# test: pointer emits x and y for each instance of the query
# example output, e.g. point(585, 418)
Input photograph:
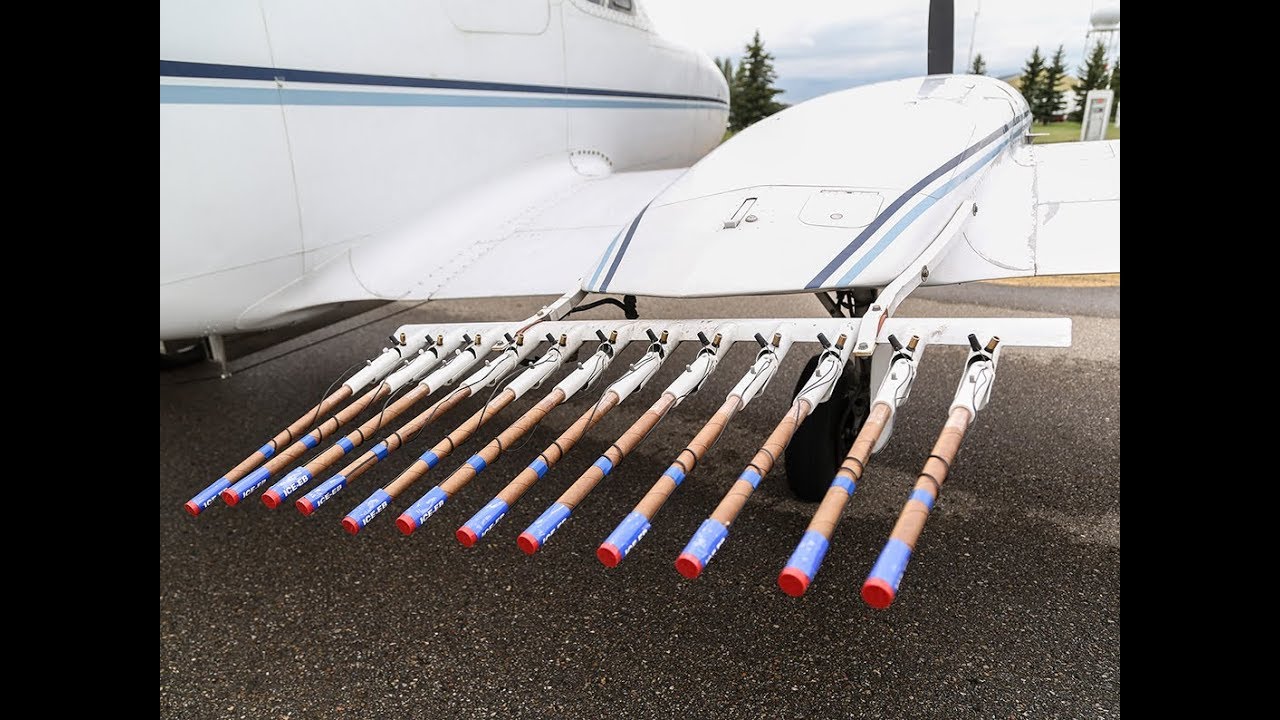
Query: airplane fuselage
point(291, 131)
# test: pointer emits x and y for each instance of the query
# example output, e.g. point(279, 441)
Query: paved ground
point(1011, 607)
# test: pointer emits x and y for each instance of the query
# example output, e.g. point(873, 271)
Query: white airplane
point(315, 153)
point(319, 152)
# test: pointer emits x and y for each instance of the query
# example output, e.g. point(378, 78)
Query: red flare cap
point(688, 565)
point(406, 524)
point(271, 499)
point(229, 497)
point(528, 543)
point(877, 593)
point(466, 536)
point(350, 525)
point(192, 507)
point(609, 554)
point(793, 582)
point(305, 506)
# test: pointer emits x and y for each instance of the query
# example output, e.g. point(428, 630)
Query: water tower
point(1097, 103)
point(1106, 21)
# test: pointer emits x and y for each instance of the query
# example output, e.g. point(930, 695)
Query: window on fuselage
point(623, 5)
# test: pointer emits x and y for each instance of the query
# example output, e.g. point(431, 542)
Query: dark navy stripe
point(175, 94)
point(621, 251)
point(177, 68)
point(883, 217)
point(604, 259)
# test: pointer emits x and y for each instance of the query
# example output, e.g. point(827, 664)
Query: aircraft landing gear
point(824, 437)
point(181, 353)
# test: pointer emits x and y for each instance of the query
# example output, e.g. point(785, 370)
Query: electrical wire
point(341, 378)
point(817, 382)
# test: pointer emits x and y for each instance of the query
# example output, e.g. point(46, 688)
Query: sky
point(826, 45)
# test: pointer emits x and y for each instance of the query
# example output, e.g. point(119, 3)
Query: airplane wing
point(808, 224)
point(1072, 228)
point(550, 247)
point(535, 232)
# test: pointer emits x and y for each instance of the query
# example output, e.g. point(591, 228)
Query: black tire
point(824, 438)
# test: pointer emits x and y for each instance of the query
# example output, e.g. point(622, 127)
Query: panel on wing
point(1078, 208)
point(1072, 225)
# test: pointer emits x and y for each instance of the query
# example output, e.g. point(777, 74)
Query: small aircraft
point(323, 153)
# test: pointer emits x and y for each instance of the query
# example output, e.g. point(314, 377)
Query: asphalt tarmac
point(1010, 607)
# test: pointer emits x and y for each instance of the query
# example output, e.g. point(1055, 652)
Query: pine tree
point(1030, 86)
point(1115, 86)
point(1092, 76)
point(1048, 101)
point(979, 66)
point(735, 96)
point(753, 90)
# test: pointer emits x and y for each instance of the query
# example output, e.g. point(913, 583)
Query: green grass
point(1067, 131)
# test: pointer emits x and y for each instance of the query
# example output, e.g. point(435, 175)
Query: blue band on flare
point(310, 441)
point(629, 532)
point(676, 474)
point(808, 555)
point(920, 495)
point(477, 463)
point(251, 482)
point(489, 515)
point(751, 476)
point(539, 466)
point(550, 521)
point(707, 540)
point(430, 458)
point(426, 506)
point(346, 445)
point(604, 463)
point(369, 509)
point(326, 490)
point(892, 563)
point(290, 483)
point(205, 497)
point(843, 482)
point(267, 451)
point(381, 451)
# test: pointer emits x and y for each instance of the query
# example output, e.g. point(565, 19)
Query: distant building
point(1067, 85)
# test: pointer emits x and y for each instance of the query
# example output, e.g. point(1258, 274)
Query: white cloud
point(826, 45)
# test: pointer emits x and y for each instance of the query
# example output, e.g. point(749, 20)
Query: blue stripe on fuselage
point(175, 68)
point(228, 95)
point(213, 71)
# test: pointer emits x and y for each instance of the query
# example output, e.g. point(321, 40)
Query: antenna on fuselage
point(973, 35)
